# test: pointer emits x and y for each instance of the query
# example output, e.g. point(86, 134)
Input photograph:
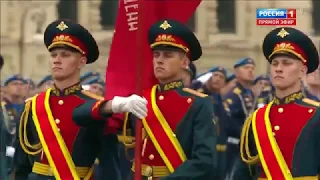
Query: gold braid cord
point(31, 149)
point(245, 153)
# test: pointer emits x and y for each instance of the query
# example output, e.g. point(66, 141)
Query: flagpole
point(139, 70)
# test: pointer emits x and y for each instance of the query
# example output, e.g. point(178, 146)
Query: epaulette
point(200, 90)
point(310, 101)
point(191, 91)
point(237, 90)
point(28, 99)
point(92, 95)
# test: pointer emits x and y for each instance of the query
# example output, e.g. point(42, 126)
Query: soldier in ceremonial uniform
point(213, 88)
point(180, 140)
point(238, 102)
point(281, 140)
point(51, 145)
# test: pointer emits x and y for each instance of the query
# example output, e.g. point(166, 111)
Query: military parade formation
point(216, 125)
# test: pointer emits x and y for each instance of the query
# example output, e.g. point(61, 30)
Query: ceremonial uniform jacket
point(281, 140)
point(181, 136)
point(238, 103)
point(50, 143)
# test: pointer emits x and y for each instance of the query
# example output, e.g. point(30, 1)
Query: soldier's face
point(286, 72)
point(217, 80)
point(65, 63)
point(186, 78)
point(245, 72)
point(313, 79)
point(168, 65)
point(96, 89)
point(16, 88)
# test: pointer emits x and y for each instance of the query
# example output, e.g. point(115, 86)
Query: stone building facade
point(226, 29)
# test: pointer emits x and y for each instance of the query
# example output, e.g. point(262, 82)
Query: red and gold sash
point(161, 134)
point(52, 142)
point(272, 160)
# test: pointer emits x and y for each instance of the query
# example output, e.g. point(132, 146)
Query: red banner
point(121, 75)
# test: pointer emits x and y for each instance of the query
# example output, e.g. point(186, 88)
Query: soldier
point(230, 83)
point(28, 88)
point(89, 76)
point(97, 86)
point(238, 103)
point(262, 91)
point(50, 144)
point(189, 75)
point(312, 85)
point(213, 88)
point(45, 83)
point(281, 140)
point(3, 138)
point(180, 140)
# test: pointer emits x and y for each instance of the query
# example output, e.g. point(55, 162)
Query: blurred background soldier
point(262, 91)
point(45, 83)
point(189, 75)
point(239, 103)
point(212, 87)
point(312, 85)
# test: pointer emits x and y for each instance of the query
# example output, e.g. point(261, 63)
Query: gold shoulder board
point(191, 91)
point(237, 91)
point(92, 95)
point(28, 99)
point(310, 101)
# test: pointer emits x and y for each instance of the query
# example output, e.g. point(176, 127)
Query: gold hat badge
point(62, 26)
point(165, 25)
point(282, 33)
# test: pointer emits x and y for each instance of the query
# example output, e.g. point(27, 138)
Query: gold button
point(57, 121)
point(147, 171)
point(60, 102)
point(276, 128)
point(189, 100)
point(174, 135)
point(59, 129)
point(280, 110)
point(161, 97)
point(151, 156)
point(273, 133)
point(310, 110)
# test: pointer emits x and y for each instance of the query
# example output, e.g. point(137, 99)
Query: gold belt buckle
point(50, 173)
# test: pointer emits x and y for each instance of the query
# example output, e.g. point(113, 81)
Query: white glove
point(10, 151)
point(133, 104)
